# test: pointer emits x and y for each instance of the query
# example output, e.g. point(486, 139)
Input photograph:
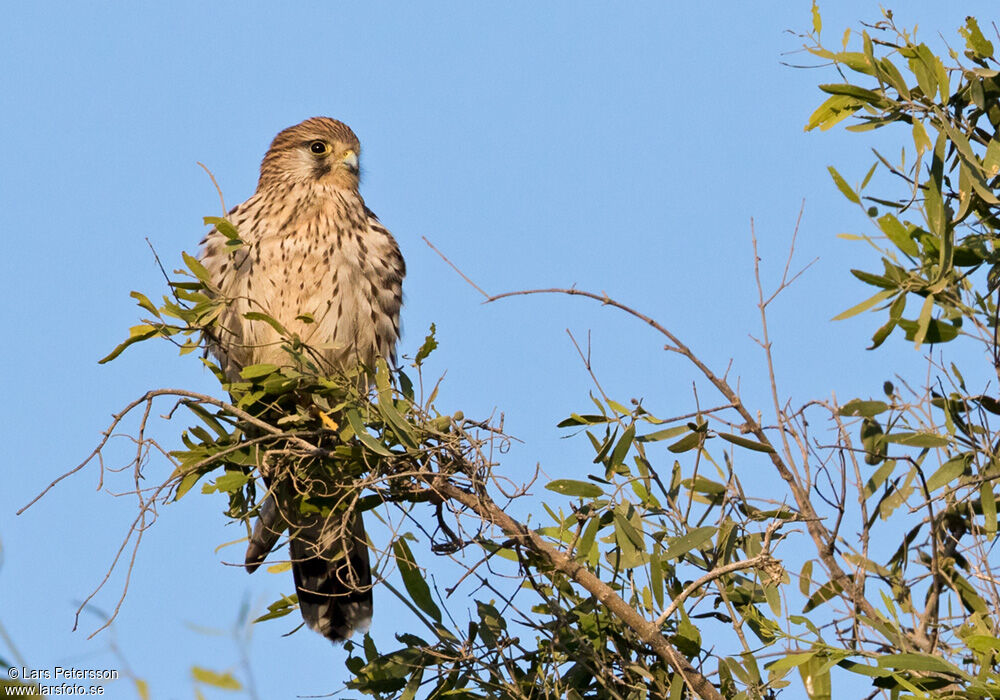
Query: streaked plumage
point(312, 248)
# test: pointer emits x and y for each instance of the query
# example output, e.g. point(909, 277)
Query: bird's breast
point(325, 274)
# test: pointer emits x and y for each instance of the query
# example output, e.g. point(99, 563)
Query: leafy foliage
point(661, 569)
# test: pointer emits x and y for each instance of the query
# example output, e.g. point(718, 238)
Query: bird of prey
point(318, 261)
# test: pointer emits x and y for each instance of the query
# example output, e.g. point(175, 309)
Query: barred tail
point(334, 586)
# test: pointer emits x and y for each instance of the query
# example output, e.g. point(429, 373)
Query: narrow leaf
point(364, 436)
point(842, 185)
point(868, 409)
point(569, 487)
point(413, 579)
point(946, 473)
point(685, 543)
point(923, 321)
point(744, 442)
point(988, 500)
point(258, 316)
point(196, 267)
point(865, 305)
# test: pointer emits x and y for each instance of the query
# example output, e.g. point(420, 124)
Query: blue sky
point(616, 148)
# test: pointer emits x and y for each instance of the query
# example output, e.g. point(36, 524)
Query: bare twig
point(218, 189)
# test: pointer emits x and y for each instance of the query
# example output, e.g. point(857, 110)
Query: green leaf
point(815, 674)
point(868, 176)
point(413, 685)
point(991, 160)
point(863, 670)
point(622, 448)
point(685, 543)
point(430, 344)
point(413, 579)
point(894, 78)
point(258, 316)
point(855, 61)
point(920, 662)
point(261, 370)
point(688, 637)
point(824, 593)
point(207, 418)
point(145, 303)
point(569, 487)
point(227, 229)
point(869, 96)
point(933, 200)
point(946, 473)
point(987, 402)
point(975, 171)
point(664, 434)
point(920, 139)
point(972, 601)
point(586, 544)
point(364, 436)
point(504, 552)
point(865, 305)
point(868, 565)
point(196, 267)
point(386, 406)
point(989, 503)
point(817, 21)
point(974, 39)
point(625, 528)
point(229, 482)
point(603, 449)
point(883, 332)
point(777, 668)
point(937, 331)
point(922, 66)
point(898, 234)
point(805, 577)
point(923, 321)
point(186, 482)
point(833, 111)
point(842, 185)
point(773, 598)
point(922, 439)
point(656, 575)
point(983, 643)
point(492, 625)
point(226, 681)
point(688, 442)
point(744, 442)
point(618, 408)
point(874, 280)
point(136, 335)
point(224, 226)
point(586, 419)
point(857, 407)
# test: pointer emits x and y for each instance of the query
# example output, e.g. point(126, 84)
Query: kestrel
point(318, 261)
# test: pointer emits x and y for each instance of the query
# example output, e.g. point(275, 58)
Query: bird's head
point(320, 150)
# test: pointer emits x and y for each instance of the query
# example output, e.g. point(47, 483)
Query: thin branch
point(645, 629)
point(455, 268)
point(218, 189)
point(820, 535)
point(759, 561)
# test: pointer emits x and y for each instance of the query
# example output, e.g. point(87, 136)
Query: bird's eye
point(319, 147)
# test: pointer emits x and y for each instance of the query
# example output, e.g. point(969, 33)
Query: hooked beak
point(350, 159)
